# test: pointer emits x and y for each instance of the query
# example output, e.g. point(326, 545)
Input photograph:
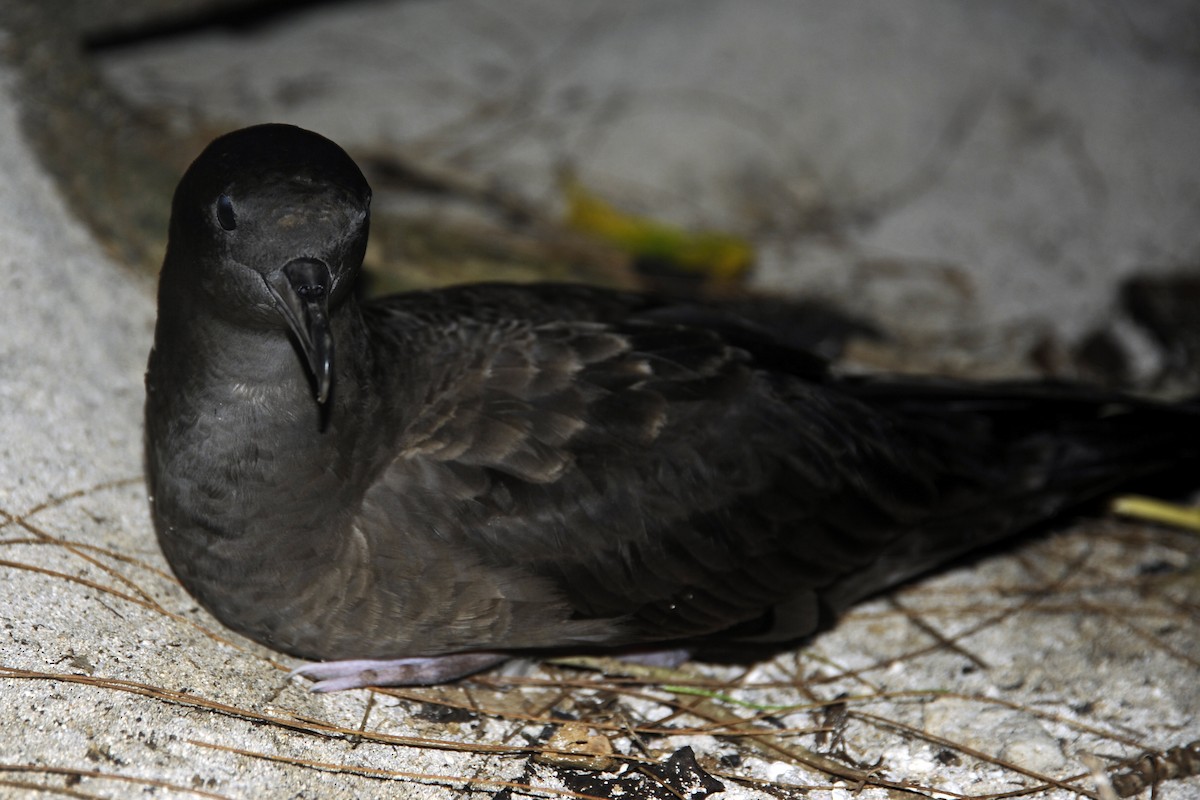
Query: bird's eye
point(225, 214)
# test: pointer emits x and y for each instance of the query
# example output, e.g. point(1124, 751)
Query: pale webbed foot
point(667, 659)
point(334, 676)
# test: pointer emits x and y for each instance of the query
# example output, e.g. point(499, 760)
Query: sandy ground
point(982, 172)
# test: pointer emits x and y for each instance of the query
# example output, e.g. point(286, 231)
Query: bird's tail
point(1028, 453)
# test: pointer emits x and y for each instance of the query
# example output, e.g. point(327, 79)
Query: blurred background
point(981, 184)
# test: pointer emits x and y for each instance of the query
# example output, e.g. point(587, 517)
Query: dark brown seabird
point(413, 487)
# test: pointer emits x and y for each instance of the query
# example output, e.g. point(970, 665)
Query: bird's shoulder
point(519, 378)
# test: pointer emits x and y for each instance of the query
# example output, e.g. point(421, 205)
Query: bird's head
point(270, 224)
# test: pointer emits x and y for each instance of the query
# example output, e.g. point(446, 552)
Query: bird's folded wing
point(650, 472)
